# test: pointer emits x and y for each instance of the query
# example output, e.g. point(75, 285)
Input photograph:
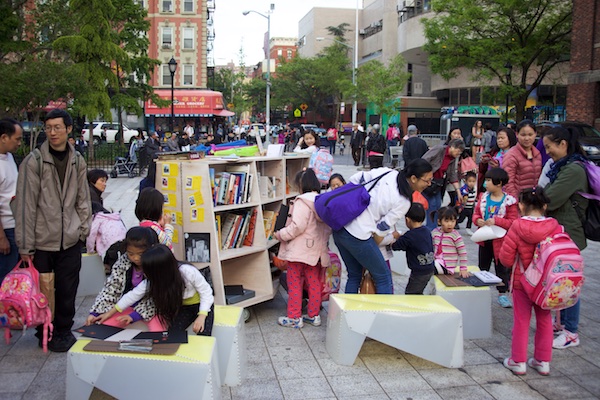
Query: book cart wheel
point(246, 314)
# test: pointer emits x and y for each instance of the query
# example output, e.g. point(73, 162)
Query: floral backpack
point(22, 305)
point(321, 162)
point(554, 278)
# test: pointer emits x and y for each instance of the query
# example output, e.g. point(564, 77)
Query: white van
point(111, 131)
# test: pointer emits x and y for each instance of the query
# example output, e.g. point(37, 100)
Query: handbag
point(435, 188)
point(341, 206)
point(367, 286)
point(467, 164)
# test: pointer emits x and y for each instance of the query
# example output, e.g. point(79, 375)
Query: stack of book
point(233, 186)
point(269, 218)
point(236, 229)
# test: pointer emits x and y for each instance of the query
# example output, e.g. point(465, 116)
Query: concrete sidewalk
point(293, 364)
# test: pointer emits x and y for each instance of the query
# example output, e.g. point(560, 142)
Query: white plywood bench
point(228, 330)
point(426, 326)
point(91, 275)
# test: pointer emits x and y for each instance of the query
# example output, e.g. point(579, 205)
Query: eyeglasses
point(427, 180)
point(55, 128)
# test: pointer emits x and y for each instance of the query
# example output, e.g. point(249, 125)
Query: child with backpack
point(495, 207)
point(181, 294)
point(448, 245)
point(149, 210)
point(518, 249)
point(303, 244)
point(125, 274)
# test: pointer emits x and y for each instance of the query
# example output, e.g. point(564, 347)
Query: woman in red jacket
point(519, 246)
point(523, 162)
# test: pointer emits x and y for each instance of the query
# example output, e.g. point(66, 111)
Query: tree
point(339, 31)
point(381, 85)
point(484, 36)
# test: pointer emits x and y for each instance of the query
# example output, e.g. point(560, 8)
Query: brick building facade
point(583, 93)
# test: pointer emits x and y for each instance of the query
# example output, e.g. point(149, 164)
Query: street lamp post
point(172, 69)
point(508, 67)
point(354, 109)
point(268, 94)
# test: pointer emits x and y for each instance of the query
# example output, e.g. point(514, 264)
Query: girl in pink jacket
point(519, 245)
point(304, 246)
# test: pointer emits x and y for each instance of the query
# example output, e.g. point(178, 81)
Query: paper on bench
point(125, 334)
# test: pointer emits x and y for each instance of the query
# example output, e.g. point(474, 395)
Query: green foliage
point(483, 36)
point(231, 84)
point(381, 85)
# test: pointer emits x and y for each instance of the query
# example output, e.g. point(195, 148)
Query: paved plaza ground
point(293, 364)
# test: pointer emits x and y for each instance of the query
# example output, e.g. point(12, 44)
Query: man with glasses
point(53, 214)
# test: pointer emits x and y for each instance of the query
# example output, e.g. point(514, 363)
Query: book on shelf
point(249, 238)
point(237, 219)
point(218, 227)
point(269, 218)
point(248, 194)
point(228, 221)
point(223, 187)
point(239, 242)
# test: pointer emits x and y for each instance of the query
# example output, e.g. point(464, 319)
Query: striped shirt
point(451, 247)
point(471, 195)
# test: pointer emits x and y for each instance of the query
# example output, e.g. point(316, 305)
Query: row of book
point(233, 186)
point(236, 229)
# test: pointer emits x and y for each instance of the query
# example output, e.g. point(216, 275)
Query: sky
point(234, 30)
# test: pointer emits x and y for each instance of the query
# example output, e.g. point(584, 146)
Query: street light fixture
point(172, 69)
point(354, 68)
point(268, 94)
point(508, 67)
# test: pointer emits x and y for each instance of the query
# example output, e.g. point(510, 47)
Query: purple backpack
point(341, 206)
point(591, 219)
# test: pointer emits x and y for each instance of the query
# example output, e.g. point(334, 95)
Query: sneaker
point(566, 339)
point(61, 343)
point(542, 367)
point(517, 368)
point(314, 321)
point(469, 232)
point(290, 322)
point(504, 301)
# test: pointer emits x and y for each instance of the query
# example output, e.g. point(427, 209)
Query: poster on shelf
point(197, 214)
point(170, 200)
point(176, 216)
point(196, 199)
point(175, 236)
point(197, 247)
point(193, 182)
point(170, 169)
point(169, 184)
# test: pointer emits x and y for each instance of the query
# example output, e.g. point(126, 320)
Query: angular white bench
point(91, 275)
point(228, 329)
point(191, 373)
point(475, 303)
point(426, 326)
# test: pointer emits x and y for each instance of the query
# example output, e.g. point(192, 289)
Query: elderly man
point(414, 146)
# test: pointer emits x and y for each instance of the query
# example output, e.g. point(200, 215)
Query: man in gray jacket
point(53, 214)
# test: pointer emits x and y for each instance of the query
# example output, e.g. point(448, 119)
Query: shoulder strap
point(38, 156)
point(375, 180)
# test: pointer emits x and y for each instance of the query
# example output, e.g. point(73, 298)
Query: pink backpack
point(322, 163)
point(22, 305)
point(554, 278)
point(331, 277)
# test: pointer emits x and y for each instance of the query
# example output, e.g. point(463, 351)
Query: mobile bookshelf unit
point(218, 208)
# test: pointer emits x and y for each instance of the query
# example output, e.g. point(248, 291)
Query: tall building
point(583, 93)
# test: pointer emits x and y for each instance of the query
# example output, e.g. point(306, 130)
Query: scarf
point(555, 168)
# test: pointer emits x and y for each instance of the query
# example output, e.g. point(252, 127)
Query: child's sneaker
point(469, 232)
point(517, 368)
point(314, 321)
point(290, 322)
point(565, 339)
point(504, 301)
point(542, 367)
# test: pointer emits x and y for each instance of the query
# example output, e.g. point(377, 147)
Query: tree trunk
point(519, 103)
point(120, 133)
point(91, 155)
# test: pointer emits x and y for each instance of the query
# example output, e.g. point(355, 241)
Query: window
point(188, 38)
point(289, 54)
point(140, 3)
point(167, 38)
point(166, 75)
point(279, 52)
point(188, 6)
point(167, 6)
point(188, 74)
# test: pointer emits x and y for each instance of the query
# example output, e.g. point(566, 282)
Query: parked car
point(589, 137)
point(260, 128)
point(111, 131)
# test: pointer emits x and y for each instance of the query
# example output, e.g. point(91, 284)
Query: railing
point(105, 156)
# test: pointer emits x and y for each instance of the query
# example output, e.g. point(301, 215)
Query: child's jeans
point(486, 256)
point(296, 273)
point(417, 283)
point(467, 213)
point(522, 305)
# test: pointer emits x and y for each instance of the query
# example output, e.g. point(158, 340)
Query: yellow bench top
point(393, 303)
point(199, 349)
point(227, 315)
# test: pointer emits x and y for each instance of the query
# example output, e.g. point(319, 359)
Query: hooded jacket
point(507, 214)
point(521, 240)
point(50, 217)
point(106, 230)
point(305, 237)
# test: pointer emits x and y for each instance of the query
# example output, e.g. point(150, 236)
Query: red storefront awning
point(52, 105)
point(224, 113)
point(189, 103)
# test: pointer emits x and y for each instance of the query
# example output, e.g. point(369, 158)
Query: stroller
point(126, 165)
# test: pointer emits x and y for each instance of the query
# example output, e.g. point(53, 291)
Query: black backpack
point(379, 144)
